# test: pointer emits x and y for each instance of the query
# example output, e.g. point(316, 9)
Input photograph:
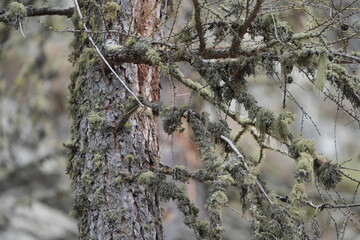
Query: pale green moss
point(227, 179)
point(16, 14)
point(118, 180)
point(264, 120)
point(130, 42)
point(153, 56)
point(218, 199)
point(111, 10)
point(300, 145)
point(130, 159)
point(128, 124)
point(84, 108)
point(180, 174)
point(4, 26)
point(112, 215)
point(86, 179)
point(147, 227)
point(281, 125)
point(298, 197)
point(98, 196)
point(96, 119)
point(114, 47)
point(328, 174)
point(98, 161)
point(145, 178)
point(320, 77)
point(304, 169)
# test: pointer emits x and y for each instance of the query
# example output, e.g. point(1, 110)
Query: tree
point(118, 52)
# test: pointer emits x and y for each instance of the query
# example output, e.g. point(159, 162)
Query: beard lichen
point(264, 121)
point(280, 126)
point(16, 14)
point(110, 10)
point(300, 145)
point(172, 118)
point(304, 169)
point(320, 77)
point(327, 173)
point(348, 85)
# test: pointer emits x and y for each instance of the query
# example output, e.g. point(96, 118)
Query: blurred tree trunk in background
point(107, 143)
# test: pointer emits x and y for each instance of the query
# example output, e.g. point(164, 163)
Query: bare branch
point(199, 27)
point(328, 205)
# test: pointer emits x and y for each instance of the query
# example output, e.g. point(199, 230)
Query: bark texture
point(110, 141)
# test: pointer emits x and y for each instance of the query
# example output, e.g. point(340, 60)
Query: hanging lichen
point(297, 198)
point(172, 119)
point(264, 120)
point(304, 168)
point(281, 125)
point(110, 10)
point(327, 173)
point(300, 145)
point(16, 14)
point(320, 77)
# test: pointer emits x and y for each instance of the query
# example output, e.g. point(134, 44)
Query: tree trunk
point(110, 143)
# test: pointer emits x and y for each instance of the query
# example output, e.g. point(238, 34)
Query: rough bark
point(104, 156)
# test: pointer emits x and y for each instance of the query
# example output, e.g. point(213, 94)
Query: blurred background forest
point(35, 192)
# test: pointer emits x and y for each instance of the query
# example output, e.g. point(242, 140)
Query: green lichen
point(226, 179)
point(16, 14)
point(264, 121)
point(4, 27)
point(148, 113)
point(130, 159)
point(300, 145)
point(96, 119)
point(304, 168)
point(153, 56)
point(250, 179)
point(118, 180)
point(320, 77)
point(147, 227)
point(328, 174)
point(180, 174)
point(298, 194)
point(98, 161)
point(114, 48)
point(84, 109)
point(308, 57)
point(110, 10)
point(172, 119)
point(281, 125)
point(130, 42)
point(112, 215)
point(145, 178)
point(88, 59)
point(98, 196)
point(86, 179)
point(218, 199)
point(127, 125)
point(298, 197)
point(347, 84)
